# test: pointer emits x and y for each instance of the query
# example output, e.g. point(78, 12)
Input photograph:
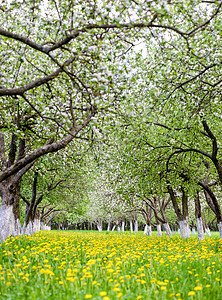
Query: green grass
point(80, 264)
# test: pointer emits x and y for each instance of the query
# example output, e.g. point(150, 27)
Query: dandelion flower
point(119, 295)
point(191, 293)
point(198, 288)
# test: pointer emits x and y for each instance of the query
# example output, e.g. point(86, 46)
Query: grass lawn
point(104, 266)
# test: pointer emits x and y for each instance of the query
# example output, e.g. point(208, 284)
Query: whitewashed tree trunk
point(193, 230)
point(207, 230)
point(220, 228)
point(167, 229)
point(43, 226)
point(108, 226)
point(123, 226)
point(9, 213)
point(149, 230)
point(184, 228)
point(27, 228)
point(9, 225)
point(131, 226)
point(159, 231)
point(99, 227)
point(32, 226)
point(47, 227)
point(113, 227)
point(200, 229)
point(145, 229)
point(136, 226)
point(178, 230)
point(36, 225)
point(189, 227)
point(118, 228)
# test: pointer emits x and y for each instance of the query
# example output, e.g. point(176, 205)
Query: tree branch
point(25, 200)
point(54, 147)
point(212, 137)
point(213, 198)
point(36, 83)
point(183, 151)
point(12, 152)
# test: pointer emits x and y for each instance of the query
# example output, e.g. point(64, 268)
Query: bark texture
point(167, 229)
point(131, 226)
point(200, 230)
point(220, 229)
point(184, 228)
point(9, 210)
point(149, 230)
point(159, 231)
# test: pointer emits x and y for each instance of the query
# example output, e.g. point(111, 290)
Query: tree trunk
point(182, 216)
point(159, 231)
point(113, 227)
point(184, 228)
point(149, 230)
point(28, 228)
point(217, 209)
point(9, 210)
point(193, 230)
point(123, 226)
point(220, 228)
point(47, 227)
point(136, 226)
point(207, 230)
point(199, 221)
point(99, 226)
point(200, 230)
point(36, 224)
point(131, 225)
point(108, 226)
point(166, 227)
point(145, 229)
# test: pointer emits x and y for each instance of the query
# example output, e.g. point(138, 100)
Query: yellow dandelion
point(119, 295)
point(191, 293)
point(198, 288)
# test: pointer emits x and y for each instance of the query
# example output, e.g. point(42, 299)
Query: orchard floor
point(104, 266)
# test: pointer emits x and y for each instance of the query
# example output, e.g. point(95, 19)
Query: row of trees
point(71, 80)
point(116, 203)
